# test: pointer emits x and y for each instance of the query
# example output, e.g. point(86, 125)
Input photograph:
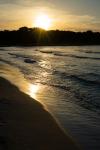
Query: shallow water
point(66, 80)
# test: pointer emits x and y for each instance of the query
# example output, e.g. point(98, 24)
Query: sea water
point(66, 80)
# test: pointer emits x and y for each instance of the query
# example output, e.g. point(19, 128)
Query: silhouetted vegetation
point(35, 36)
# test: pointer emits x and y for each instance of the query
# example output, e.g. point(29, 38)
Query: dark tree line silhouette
point(25, 36)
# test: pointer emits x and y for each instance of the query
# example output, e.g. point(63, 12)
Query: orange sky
point(65, 15)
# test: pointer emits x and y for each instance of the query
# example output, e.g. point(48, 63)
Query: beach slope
point(26, 125)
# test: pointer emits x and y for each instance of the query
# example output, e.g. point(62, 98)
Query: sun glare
point(43, 21)
point(33, 89)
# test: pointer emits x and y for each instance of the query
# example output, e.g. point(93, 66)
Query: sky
point(76, 15)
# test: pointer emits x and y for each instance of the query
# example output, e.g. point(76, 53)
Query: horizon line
point(49, 29)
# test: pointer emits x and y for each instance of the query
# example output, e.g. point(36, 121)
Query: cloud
point(74, 18)
point(26, 3)
point(13, 11)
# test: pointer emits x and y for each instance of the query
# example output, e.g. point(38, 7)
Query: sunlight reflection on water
point(33, 90)
point(17, 78)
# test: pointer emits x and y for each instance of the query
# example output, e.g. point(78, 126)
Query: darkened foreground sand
point(26, 125)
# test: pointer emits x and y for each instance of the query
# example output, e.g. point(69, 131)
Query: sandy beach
point(26, 125)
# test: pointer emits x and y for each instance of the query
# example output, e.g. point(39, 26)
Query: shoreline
point(26, 125)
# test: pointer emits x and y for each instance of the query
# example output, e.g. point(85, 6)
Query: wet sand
point(26, 125)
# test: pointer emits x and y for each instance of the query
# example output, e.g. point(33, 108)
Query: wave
point(47, 52)
point(26, 58)
point(92, 52)
point(55, 53)
point(95, 58)
point(89, 78)
point(89, 51)
point(83, 57)
point(6, 61)
point(22, 68)
point(59, 54)
point(1, 49)
point(80, 98)
point(75, 56)
point(18, 55)
point(86, 81)
point(84, 100)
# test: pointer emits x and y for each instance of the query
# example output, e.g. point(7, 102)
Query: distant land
point(25, 36)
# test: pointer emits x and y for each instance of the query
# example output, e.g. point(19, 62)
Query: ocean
point(66, 80)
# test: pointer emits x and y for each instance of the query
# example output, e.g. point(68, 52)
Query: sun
point(43, 21)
